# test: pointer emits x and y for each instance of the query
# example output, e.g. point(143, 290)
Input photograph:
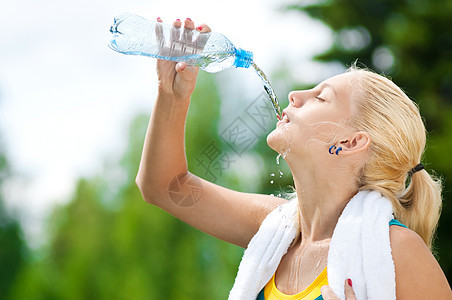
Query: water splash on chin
point(283, 155)
point(286, 152)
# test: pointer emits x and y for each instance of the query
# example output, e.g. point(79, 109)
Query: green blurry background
point(107, 243)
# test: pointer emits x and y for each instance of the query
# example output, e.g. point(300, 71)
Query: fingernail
point(177, 19)
point(199, 28)
point(189, 19)
point(158, 19)
point(349, 282)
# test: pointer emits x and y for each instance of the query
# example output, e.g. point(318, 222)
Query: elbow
point(154, 190)
point(145, 190)
point(139, 182)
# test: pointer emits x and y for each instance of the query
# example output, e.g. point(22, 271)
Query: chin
point(270, 140)
point(276, 140)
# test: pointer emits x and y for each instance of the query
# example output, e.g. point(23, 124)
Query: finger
point(175, 32)
point(185, 80)
point(180, 67)
point(177, 23)
point(186, 74)
point(349, 292)
point(184, 69)
point(327, 293)
point(159, 33)
point(202, 37)
point(203, 28)
point(189, 24)
point(187, 36)
point(175, 37)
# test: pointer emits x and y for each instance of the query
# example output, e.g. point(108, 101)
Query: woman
point(353, 132)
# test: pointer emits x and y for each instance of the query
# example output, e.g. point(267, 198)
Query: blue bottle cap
point(243, 58)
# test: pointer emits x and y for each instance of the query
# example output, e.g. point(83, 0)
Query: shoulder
point(408, 249)
point(402, 237)
point(418, 274)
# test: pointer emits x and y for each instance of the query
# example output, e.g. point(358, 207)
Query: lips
point(284, 120)
point(285, 117)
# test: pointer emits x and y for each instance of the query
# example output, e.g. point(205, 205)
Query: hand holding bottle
point(210, 51)
point(178, 80)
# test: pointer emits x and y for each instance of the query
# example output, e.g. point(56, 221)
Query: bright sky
point(66, 99)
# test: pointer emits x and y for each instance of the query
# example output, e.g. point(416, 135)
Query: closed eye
point(318, 98)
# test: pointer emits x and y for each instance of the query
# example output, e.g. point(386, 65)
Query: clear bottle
point(211, 51)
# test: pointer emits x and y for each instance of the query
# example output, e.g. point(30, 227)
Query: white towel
point(359, 249)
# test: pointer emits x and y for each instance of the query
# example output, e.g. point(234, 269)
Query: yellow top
point(312, 292)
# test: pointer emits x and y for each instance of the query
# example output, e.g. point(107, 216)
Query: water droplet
point(271, 181)
point(272, 174)
point(280, 173)
point(279, 195)
point(271, 195)
point(318, 264)
point(277, 158)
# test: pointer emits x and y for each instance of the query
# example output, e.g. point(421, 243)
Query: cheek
point(306, 127)
point(322, 125)
point(311, 134)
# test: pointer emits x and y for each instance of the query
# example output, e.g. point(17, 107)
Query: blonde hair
point(398, 138)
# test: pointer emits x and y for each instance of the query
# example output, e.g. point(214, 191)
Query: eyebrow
point(329, 86)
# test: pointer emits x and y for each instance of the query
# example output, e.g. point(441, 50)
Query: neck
point(322, 195)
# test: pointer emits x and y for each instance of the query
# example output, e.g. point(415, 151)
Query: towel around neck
point(359, 249)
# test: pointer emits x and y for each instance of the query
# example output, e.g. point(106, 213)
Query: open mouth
point(285, 119)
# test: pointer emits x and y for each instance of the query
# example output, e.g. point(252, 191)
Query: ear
point(357, 142)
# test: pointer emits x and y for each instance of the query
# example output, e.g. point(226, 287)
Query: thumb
point(180, 66)
point(185, 79)
point(349, 292)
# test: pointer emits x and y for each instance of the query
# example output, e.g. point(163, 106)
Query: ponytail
point(421, 205)
point(398, 138)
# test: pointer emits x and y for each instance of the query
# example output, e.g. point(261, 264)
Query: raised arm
point(163, 177)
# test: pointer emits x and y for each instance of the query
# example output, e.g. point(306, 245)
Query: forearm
point(163, 155)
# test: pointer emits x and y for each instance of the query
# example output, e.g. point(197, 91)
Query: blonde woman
point(353, 133)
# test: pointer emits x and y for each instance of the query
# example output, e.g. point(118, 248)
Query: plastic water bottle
point(211, 51)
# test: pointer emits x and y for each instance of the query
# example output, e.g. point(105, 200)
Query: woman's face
point(315, 119)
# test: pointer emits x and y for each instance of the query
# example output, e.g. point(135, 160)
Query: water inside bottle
point(270, 92)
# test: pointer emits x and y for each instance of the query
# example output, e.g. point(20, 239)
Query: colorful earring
point(332, 148)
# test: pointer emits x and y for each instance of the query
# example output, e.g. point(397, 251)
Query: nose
point(296, 98)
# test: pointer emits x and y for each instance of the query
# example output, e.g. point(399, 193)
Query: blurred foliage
point(13, 248)
point(107, 243)
point(12, 256)
point(410, 41)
